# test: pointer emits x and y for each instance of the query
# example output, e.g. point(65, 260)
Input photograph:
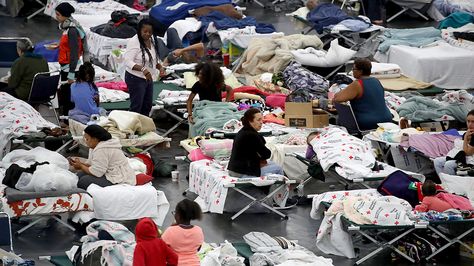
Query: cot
point(210, 181)
point(384, 241)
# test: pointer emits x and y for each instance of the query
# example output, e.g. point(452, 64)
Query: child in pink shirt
point(183, 237)
point(430, 201)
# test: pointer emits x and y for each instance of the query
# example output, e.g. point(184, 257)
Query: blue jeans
point(446, 167)
point(141, 94)
point(270, 168)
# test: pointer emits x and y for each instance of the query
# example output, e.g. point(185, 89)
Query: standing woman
point(142, 63)
point(72, 46)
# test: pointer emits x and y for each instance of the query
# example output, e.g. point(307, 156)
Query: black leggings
point(85, 180)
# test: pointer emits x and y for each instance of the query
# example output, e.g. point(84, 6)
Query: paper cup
point(175, 176)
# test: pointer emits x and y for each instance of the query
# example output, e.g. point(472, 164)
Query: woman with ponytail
point(142, 64)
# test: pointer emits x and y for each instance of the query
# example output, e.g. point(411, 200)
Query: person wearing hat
point(23, 70)
point(72, 45)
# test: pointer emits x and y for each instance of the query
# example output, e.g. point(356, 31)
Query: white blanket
point(353, 156)
point(101, 74)
point(385, 70)
point(108, 95)
point(18, 118)
point(242, 37)
point(126, 202)
point(442, 64)
point(210, 181)
point(461, 185)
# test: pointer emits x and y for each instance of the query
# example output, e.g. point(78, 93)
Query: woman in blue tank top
point(366, 96)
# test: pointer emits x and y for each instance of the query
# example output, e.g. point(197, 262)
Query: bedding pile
point(209, 114)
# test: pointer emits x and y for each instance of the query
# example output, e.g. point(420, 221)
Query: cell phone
point(471, 142)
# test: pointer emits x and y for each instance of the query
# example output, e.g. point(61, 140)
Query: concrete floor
point(55, 239)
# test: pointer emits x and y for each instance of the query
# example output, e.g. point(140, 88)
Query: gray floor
point(53, 239)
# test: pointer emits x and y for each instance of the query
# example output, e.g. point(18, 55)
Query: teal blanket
point(410, 37)
point(419, 109)
point(208, 114)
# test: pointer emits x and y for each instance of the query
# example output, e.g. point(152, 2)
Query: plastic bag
point(24, 182)
point(53, 178)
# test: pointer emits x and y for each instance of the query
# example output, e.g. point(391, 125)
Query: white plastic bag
point(53, 178)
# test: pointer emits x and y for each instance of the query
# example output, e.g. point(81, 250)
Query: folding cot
point(210, 181)
point(384, 241)
point(410, 5)
point(374, 176)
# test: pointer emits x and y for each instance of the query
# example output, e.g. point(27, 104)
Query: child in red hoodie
point(150, 249)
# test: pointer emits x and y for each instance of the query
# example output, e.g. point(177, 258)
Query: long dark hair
point(97, 132)
point(211, 74)
point(87, 74)
point(143, 47)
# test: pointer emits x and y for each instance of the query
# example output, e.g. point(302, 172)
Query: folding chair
point(43, 90)
point(6, 229)
point(9, 53)
point(347, 119)
point(410, 5)
point(348, 2)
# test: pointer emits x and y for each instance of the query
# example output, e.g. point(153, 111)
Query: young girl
point(85, 95)
point(430, 201)
point(209, 86)
point(183, 237)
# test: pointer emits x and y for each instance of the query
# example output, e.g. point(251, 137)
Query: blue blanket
point(325, 15)
point(222, 22)
point(170, 11)
point(409, 37)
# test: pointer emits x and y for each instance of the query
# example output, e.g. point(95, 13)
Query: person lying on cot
point(183, 237)
point(209, 86)
point(249, 157)
point(24, 70)
point(366, 95)
point(462, 152)
point(106, 165)
point(310, 154)
point(173, 52)
point(85, 95)
point(440, 201)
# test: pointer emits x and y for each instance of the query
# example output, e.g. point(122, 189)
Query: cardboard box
point(318, 120)
point(301, 109)
point(434, 126)
point(410, 161)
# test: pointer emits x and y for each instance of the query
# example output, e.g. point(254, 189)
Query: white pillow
point(335, 56)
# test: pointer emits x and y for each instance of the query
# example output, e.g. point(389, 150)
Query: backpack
point(398, 184)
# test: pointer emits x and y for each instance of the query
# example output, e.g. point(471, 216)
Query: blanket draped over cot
point(18, 118)
point(209, 180)
point(209, 114)
point(365, 206)
point(418, 109)
point(273, 55)
point(410, 37)
point(170, 11)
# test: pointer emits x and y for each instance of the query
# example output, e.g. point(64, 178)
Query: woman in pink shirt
point(183, 237)
point(430, 201)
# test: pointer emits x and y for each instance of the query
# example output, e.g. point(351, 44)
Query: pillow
point(197, 155)
point(216, 148)
point(335, 56)
point(142, 179)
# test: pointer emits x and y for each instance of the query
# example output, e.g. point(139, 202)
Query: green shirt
point(23, 71)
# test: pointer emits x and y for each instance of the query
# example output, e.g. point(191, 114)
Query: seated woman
point(249, 154)
point(366, 95)
point(462, 152)
point(24, 70)
point(85, 95)
point(183, 237)
point(106, 165)
point(209, 86)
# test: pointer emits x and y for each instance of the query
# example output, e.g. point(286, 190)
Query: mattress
point(441, 64)
point(76, 202)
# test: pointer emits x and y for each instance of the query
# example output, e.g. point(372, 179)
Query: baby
point(430, 201)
